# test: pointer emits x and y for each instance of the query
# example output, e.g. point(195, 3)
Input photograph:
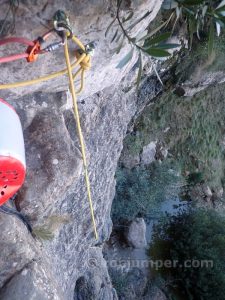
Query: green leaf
point(220, 19)
point(158, 39)
point(130, 15)
point(211, 39)
point(119, 2)
point(157, 74)
point(108, 28)
point(141, 35)
point(118, 37)
point(191, 29)
point(155, 52)
point(204, 10)
point(169, 4)
point(220, 11)
point(222, 3)
point(156, 29)
point(120, 45)
point(168, 46)
point(198, 27)
point(126, 59)
point(178, 12)
point(140, 63)
point(115, 35)
point(139, 20)
point(218, 28)
point(189, 11)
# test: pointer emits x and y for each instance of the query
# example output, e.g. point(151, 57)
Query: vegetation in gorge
point(195, 65)
point(140, 191)
point(191, 128)
point(197, 236)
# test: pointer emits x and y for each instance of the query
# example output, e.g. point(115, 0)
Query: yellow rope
point(78, 42)
point(84, 61)
point(77, 117)
point(43, 78)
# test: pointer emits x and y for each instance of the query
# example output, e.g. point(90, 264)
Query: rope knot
point(85, 64)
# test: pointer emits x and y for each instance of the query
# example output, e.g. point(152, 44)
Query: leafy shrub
point(140, 191)
point(133, 144)
point(199, 15)
point(192, 235)
point(119, 281)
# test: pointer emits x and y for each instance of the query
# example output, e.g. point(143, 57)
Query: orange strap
point(19, 55)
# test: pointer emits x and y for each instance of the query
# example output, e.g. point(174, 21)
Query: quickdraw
point(83, 60)
point(61, 27)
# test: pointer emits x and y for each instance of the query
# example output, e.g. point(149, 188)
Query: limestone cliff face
point(70, 266)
